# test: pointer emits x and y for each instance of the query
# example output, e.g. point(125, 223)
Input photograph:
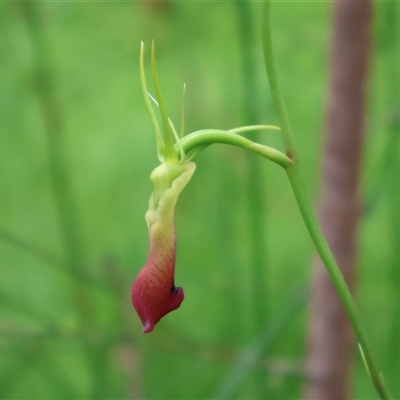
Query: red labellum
point(153, 291)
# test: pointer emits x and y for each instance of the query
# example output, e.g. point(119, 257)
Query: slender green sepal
point(178, 142)
point(169, 150)
point(175, 133)
point(153, 118)
point(171, 124)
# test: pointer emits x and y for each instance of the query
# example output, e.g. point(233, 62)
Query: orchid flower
point(154, 293)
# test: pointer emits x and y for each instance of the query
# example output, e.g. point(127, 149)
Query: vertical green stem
point(256, 203)
point(273, 83)
point(389, 174)
point(338, 281)
point(310, 219)
point(64, 200)
point(61, 186)
point(393, 343)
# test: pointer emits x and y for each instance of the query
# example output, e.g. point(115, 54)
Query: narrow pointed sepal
point(154, 293)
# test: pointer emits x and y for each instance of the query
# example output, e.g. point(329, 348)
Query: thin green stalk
point(273, 83)
point(338, 281)
point(62, 191)
point(205, 138)
point(258, 254)
point(61, 185)
point(202, 139)
point(393, 344)
point(391, 160)
point(255, 195)
point(295, 178)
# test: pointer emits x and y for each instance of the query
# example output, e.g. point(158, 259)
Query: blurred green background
point(73, 199)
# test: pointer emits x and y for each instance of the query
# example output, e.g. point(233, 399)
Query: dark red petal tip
point(153, 296)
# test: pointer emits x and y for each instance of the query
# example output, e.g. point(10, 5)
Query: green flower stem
point(258, 245)
point(59, 175)
point(310, 219)
point(204, 138)
point(67, 212)
point(273, 83)
point(336, 276)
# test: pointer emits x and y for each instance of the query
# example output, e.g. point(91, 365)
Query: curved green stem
point(249, 128)
point(204, 138)
point(310, 219)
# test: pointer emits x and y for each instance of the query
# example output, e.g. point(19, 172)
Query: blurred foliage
point(50, 347)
